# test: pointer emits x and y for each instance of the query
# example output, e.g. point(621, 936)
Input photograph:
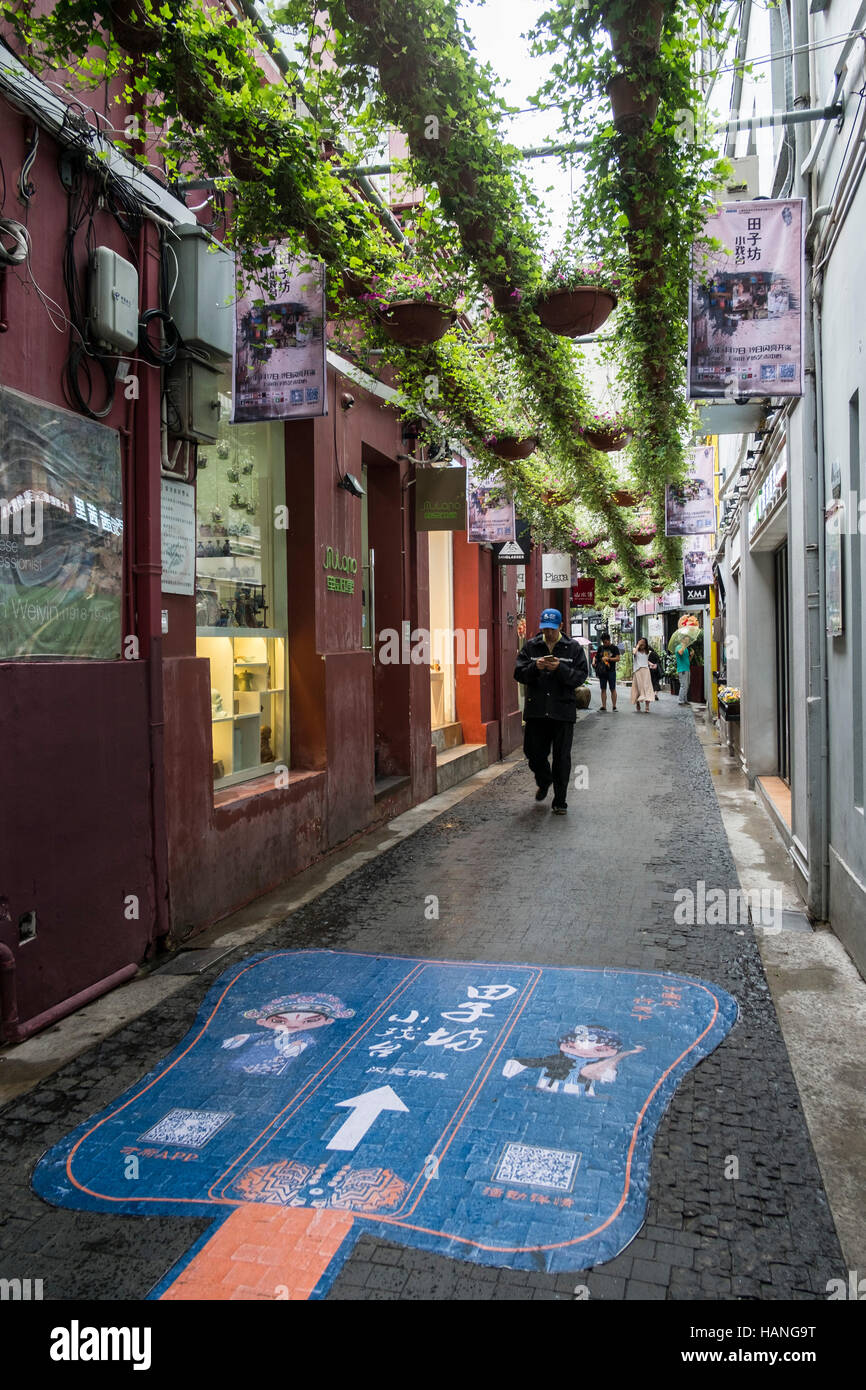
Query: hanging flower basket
point(623, 497)
point(657, 588)
point(363, 11)
point(506, 298)
point(576, 312)
point(638, 31)
point(130, 27)
point(511, 447)
point(615, 578)
point(633, 108)
point(557, 497)
point(607, 438)
point(605, 559)
point(415, 322)
point(642, 537)
point(588, 545)
point(356, 285)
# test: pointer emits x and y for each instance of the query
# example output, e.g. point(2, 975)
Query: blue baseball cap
point(551, 617)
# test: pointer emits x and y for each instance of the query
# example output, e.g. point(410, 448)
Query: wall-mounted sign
point(583, 593)
point(690, 508)
point(342, 570)
point(178, 537)
point(440, 499)
point(61, 533)
point(773, 487)
point(489, 513)
point(556, 570)
point(745, 306)
point(834, 517)
point(279, 359)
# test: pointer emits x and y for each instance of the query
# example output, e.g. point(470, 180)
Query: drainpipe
point(812, 437)
point(8, 996)
point(737, 85)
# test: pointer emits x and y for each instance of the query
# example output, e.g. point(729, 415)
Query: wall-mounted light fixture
point(351, 485)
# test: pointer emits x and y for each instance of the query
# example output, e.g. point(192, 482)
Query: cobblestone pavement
point(514, 883)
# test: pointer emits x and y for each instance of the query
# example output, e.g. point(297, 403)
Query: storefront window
point(240, 596)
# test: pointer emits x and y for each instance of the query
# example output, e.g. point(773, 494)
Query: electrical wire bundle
point(87, 194)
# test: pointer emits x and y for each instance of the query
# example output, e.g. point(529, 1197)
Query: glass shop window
point(241, 596)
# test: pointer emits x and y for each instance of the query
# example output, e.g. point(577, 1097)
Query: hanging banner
point(61, 533)
point(690, 508)
point(279, 357)
point(746, 301)
point(697, 565)
point(440, 499)
point(490, 515)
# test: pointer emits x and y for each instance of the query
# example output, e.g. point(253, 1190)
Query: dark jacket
point(656, 675)
point(550, 694)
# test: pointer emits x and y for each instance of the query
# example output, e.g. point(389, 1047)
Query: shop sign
point(746, 302)
point(178, 537)
point(583, 593)
point(516, 552)
point(698, 594)
point(556, 570)
point(344, 568)
point(771, 490)
point(690, 508)
point(61, 533)
point(440, 499)
point(834, 516)
point(489, 511)
point(280, 341)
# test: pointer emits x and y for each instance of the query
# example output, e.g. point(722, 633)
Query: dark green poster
point(440, 499)
point(61, 533)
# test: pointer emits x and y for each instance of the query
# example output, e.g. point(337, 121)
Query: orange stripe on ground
point(263, 1252)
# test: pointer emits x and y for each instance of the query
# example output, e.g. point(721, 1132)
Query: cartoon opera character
point(290, 1021)
point(587, 1054)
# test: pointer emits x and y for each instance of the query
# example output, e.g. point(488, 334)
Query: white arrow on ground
point(367, 1108)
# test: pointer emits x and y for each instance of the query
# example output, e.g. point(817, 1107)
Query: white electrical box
point(113, 301)
point(203, 301)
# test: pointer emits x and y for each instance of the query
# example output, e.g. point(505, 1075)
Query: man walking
point(551, 667)
point(606, 657)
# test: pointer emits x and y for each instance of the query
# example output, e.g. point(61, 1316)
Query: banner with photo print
point(280, 341)
point(690, 508)
point(746, 302)
point(489, 510)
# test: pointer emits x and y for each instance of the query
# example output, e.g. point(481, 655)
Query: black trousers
point(542, 737)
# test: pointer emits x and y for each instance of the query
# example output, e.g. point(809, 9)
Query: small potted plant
point(575, 296)
point(413, 309)
point(605, 432)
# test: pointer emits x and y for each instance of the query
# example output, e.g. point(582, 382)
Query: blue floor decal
point(502, 1114)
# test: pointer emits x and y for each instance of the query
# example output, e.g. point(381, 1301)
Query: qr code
point(786, 371)
point(296, 397)
point(312, 393)
point(191, 1129)
point(537, 1167)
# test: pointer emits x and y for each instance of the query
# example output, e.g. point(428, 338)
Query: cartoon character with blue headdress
point(587, 1054)
point(290, 1021)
